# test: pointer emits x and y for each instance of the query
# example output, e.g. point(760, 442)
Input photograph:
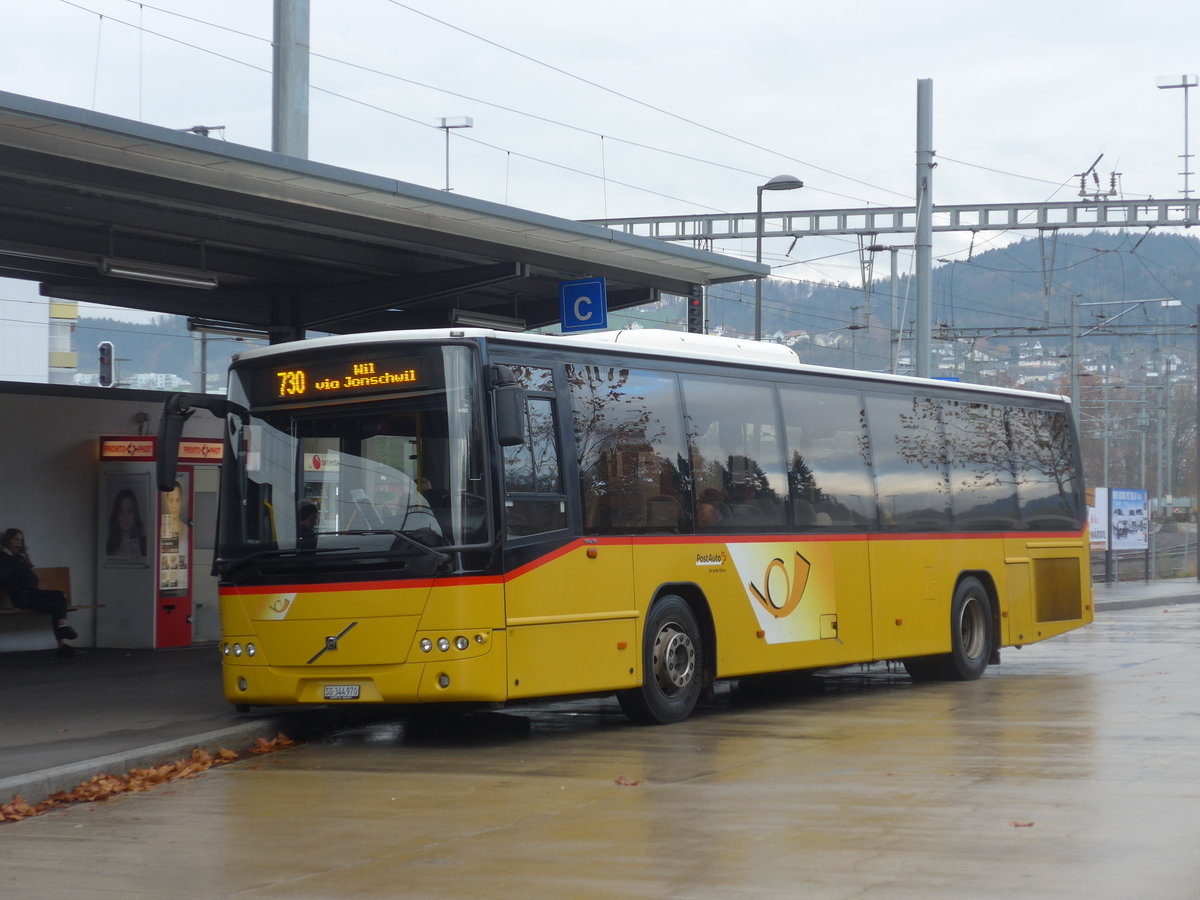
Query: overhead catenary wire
point(451, 93)
point(538, 160)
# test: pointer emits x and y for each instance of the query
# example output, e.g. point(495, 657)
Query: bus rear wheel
point(672, 666)
point(970, 638)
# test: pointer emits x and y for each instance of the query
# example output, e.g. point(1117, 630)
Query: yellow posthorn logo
point(793, 587)
point(273, 606)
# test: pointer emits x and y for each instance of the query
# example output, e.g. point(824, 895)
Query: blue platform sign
point(583, 304)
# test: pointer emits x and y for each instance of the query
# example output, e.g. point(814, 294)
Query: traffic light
point(695, 315)
point(107, 364)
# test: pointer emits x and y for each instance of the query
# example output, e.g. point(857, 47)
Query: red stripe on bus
point(651, 540)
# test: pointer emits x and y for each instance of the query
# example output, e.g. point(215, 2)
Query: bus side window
point(628, 441)
point(829, 478)
point(909, 447)
point(981, 467)
point(1047, 479)
point(534, 501)
point(736, 452)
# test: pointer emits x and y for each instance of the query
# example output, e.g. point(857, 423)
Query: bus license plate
point(341, 692)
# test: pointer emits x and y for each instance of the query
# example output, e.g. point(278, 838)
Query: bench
point(55, 578)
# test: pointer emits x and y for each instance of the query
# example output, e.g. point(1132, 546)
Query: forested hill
point(1006, 286)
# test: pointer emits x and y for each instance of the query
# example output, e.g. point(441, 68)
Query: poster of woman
point(124, 527)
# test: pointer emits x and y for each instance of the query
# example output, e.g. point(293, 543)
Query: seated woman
point(20, 582)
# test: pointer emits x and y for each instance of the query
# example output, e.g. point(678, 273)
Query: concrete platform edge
point(1103, 605)
point(37, 786)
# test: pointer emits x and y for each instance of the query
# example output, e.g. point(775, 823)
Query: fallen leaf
point(105, 785)
point(1021, 824)
point(622, 780)
point(264, 745)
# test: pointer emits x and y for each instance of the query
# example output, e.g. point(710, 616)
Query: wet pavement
point(65, 720)
point(107, 711)
point(1072, 770)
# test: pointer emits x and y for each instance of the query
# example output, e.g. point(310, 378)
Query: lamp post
point(446, 124)
point(1187, 82)
point(778, 183)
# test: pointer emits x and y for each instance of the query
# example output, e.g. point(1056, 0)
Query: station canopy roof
point(108, 210)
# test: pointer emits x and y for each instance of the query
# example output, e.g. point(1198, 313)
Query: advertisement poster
point(124, 523)
point(1098, 517)
point(173, 537)
point(1130, 522)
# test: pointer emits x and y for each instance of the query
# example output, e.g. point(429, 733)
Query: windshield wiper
point(412, 542)
point(226, 566)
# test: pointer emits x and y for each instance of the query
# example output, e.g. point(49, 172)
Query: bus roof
point(650, 342)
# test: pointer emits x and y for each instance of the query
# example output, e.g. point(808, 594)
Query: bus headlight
point(251, 650)
point(237, 649)
point(443, 644)
point(461, 642)
point(426, 645)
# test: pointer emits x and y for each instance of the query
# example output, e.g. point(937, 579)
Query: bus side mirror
point(175, 412)
point(170, 428)
point(509, 399)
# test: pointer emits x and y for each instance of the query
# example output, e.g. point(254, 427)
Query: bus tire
point(970, 638)
point(672, 666)
point(971, 631)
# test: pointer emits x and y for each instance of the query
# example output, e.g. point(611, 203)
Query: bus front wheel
point(970, 638)
point(672, 666)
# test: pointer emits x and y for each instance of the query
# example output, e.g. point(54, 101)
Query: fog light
point(237, 649)
point(461, 642)
point(479, 638)
point(250, 650)
point(242, 684)
point(444, 681)
point(443, 644)
point(426, 645)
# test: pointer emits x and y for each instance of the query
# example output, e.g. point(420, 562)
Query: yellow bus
point(476, 517)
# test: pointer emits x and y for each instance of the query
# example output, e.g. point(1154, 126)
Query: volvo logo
point(331, 643)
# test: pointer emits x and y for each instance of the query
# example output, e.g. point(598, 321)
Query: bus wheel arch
point(974, 633)
point(989, 585)
point(677, 649)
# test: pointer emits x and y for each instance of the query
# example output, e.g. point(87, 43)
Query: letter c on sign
point(580, 301)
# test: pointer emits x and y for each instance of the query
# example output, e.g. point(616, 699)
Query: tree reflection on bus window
point(1048, 487)
point(981, 467)
point(627, 431)
point(736, 454)
point(911, 475)
point(534, 499)
point(828, 459)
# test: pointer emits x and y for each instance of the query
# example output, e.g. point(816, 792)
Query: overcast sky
point(1026, 95)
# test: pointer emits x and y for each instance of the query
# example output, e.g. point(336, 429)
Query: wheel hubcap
point(972, 629)
point(674, 659)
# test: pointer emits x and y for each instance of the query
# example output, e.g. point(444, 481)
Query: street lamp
point(778, 183)
point(446, 124)
point(1187, 82)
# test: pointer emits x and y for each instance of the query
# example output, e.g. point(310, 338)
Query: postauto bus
point(475, 517)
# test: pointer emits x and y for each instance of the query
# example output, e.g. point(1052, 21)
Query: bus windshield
point(352, 459)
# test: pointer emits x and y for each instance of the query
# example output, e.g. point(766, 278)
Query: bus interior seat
point(663, 513)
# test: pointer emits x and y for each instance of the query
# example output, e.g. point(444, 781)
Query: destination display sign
point(290, 382)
